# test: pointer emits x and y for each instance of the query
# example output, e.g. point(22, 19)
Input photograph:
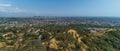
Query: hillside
point(60, 39)
point(60, 34)
point(72, 41)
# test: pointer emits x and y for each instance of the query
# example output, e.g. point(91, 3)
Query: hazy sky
point(59, 7)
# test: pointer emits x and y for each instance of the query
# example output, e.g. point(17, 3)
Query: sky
point(60, 8)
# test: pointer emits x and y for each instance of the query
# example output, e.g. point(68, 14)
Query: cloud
point(8, 8)
point(16, 10)
point(5, 5)
point(11, 10)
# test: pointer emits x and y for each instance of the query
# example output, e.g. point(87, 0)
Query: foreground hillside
point(59, 38)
